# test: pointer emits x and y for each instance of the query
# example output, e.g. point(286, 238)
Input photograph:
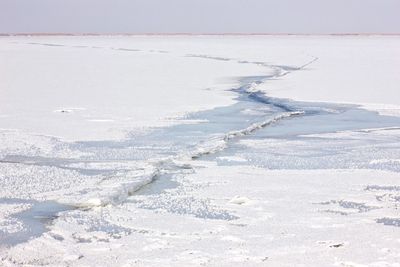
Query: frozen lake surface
point(193, 151)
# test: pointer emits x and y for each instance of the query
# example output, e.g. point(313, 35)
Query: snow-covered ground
point(200, 151)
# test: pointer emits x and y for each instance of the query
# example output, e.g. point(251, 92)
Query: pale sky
point(200, 16)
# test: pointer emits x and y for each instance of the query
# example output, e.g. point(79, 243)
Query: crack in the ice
point(171, 165)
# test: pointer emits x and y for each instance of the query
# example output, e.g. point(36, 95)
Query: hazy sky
point(200, 16)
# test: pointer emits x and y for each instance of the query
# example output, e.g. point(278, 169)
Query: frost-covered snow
point(199, 151)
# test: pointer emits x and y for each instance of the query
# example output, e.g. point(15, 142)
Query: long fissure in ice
point(128, 165)
point(118, 185)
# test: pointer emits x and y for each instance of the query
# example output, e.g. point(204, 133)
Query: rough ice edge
point(113, 194)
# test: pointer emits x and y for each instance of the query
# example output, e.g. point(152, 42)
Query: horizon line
point(194, 34)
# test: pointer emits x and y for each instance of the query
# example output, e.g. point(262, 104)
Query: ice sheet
point(201, 150)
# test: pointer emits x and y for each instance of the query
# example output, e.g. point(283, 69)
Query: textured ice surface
point(235, 177)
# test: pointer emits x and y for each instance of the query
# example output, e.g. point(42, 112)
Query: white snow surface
point(170, 151)
point(85, 88)
point(362, 70)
